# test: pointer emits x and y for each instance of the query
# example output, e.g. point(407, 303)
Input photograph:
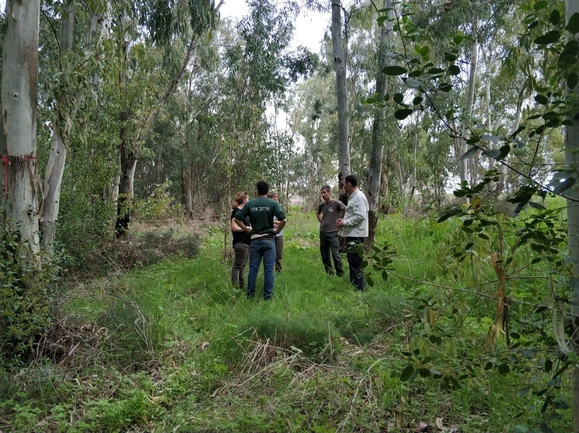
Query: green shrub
point(26, 294)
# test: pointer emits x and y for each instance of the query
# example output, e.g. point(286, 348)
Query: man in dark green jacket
point(261, 211)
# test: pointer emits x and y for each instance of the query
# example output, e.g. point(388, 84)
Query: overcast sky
point(309, 29)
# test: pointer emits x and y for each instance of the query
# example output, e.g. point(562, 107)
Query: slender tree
point(378, 124)
point(340, 64)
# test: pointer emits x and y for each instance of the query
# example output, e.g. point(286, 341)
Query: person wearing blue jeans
point(354, 227)
point(261, 211)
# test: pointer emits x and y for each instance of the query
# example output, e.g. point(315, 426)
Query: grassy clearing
point(173, 347)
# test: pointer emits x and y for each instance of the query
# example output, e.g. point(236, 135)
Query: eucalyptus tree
point(73, 83)
point(18, 143)
point(161, 24)
point(313, 117)
point(378, 123)
point(260, 69)
point(340, 65)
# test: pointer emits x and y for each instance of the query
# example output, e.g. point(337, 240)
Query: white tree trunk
point(469, 104)
point(18, 140)
point(342, 92)
point(57, 156)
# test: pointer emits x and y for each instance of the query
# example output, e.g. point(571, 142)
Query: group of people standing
point(257, 227)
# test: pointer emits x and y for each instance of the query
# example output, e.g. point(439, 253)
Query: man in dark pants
point(261, 211)
point(354, 227)
point(328, 213)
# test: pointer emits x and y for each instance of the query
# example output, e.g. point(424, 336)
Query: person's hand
point(340, 222)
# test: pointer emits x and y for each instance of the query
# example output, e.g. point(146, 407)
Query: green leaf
point(435, 71)
point(403, 113)
point(492, 153)
point(542, 99)
point(540, 5)
point(453, 70)
point(537, 205)
point(548, 38)
point(564, 186)
point(490, 137)
point(398, 98)
point(449, 57)
point(445, 87)
point(424, 372)
point(394, 70)
point(573, 24)
point(407, 373)
point(572, 80)
point(411, 82)
point(469, 153)
point(548, 365)
point(505, 150)
point(418, 100)
point(504, 369)
point(555, 17)
point(437, 374)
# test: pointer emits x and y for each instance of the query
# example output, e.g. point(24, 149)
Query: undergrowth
point(173, 346)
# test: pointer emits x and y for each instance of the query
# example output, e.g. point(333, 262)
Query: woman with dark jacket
point(240, 242)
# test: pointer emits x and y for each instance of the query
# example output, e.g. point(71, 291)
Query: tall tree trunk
point(489, 111)
point(57, 156)
point(342, 92)
point(377, 152)
point(18, 138)
point(128, 161)
point(469, 101)
point(572, 160)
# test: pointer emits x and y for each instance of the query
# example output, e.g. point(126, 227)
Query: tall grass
point(175, 347)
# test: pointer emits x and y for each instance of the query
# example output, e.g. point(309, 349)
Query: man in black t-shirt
point(328, 213)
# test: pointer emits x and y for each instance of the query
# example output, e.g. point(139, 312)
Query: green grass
point(174, 347)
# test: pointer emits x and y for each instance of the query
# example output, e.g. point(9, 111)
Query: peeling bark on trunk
point(57, 156)
point(18, 138)
point(51, 190)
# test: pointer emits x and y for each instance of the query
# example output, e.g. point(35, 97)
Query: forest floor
point(162, 342)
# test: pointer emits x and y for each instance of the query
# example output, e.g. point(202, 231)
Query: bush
point(26, 290)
